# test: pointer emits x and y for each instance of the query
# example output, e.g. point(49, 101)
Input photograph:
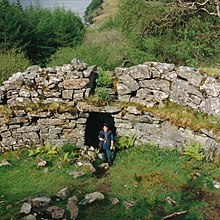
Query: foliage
point(63, 154)
point(104, 79)
point(123, 142)
point(102, 94)
point(194, 151)
point(107, 49)
point(93, 7)
point(36, 31)
point(11, 62)
point(171, 35)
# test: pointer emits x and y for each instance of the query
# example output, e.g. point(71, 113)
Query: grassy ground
point(109, 10)
point(144, 175)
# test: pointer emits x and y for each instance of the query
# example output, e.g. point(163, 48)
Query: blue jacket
point(108, 136)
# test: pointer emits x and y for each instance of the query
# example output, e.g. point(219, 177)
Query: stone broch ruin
point(48, 105)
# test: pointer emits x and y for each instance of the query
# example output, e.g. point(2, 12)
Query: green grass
point(145, 175)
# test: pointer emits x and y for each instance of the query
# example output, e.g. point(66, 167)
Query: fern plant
point(123, 141)
point(53, 153)
point(194, 151)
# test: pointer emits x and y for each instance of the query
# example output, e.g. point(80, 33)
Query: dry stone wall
point(47, 105)
point(153, 83)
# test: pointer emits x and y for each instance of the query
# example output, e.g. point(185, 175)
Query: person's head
point(105, 127)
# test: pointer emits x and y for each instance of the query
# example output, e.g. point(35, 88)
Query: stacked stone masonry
point(153, 83)
point(47, 105)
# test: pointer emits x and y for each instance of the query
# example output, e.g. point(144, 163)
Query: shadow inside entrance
point(94, 125)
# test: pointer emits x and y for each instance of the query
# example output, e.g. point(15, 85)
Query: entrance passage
point(94, 124)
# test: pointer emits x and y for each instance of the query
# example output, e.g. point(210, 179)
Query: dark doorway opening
point(94, 124)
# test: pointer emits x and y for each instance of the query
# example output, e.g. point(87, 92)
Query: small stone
point(41, 202)
point(25, 208)
point(72, 207)
point(41, 164)
point(29, 217)
point(216, 184)
point(56, 212)
point(76, 174)
point(91, 197)
point(64, 193)
point(128, 204)
point(170, 201)
point(114, 201)
point(104, 165)
point(4, 162)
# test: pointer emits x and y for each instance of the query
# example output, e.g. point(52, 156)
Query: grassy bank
point(144, 175)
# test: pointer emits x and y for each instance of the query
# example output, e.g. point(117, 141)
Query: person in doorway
point(106, 143)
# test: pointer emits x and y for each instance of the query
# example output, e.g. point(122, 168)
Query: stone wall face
point(47, 105)
point(153, 83)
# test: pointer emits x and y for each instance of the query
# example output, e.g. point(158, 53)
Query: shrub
point(104, 79)
point(102, 94)
point(11, 62)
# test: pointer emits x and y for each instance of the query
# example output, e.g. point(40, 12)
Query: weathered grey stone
point(140, 72)
point(29, 217)
point(41, 202)
point(170, 76)
point(75, 83)
point(76, 174)
point(72, 207)
point(4, 162)
point(22, 101)
point(191, 75)
point(24, 93)
point(133, 110)
point(52, 121)
point(155, 84)
point(86, 163)
point(67, 94)
point(123, 89)
point(55, 131)
point(19, 113)
point(87, 72)
point(211, 106)
point(126, 125)
point(127, 80)
point(114, 201)
point(6, 134)
point(91, 197)
point(52, 94)
point(25, 208)
point(128, 204)
point(78, 65)
point(56, 212)
point(79, 94)
point(124, 98)
point(3, 128)
point(211, 87)
point(161, 67)
point(42, 163)
point(64, 193)
point(183, 93)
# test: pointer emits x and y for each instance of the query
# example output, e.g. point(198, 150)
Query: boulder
point(72, 207)
point(64, 193)
point(56, 212)
point(25, 208)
